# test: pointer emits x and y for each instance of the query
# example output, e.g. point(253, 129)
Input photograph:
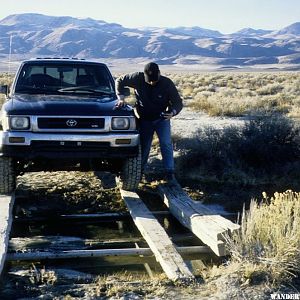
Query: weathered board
point(208, 226)
point(6, 208)
point(157, 239)
point(63, 243)
point(71, 254)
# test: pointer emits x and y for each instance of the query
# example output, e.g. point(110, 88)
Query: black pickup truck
point(60, 114)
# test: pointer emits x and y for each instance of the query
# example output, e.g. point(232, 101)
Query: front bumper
point(49, 145)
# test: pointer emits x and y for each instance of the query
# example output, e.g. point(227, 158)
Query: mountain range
point(40, 35)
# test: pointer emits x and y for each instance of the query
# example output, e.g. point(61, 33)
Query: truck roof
point(71, 60)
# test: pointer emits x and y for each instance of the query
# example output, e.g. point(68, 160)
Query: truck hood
point(62, 105)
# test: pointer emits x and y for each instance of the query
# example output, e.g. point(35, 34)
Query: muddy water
point(49, 195)
point(67, 235)
point(24, 280)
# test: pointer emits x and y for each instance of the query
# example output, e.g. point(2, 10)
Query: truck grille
point(71, 123)
point(72, 146)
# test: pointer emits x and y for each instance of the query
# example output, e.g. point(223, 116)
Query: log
point(208, 226)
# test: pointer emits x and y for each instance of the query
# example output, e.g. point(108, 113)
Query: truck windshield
point(49, 78)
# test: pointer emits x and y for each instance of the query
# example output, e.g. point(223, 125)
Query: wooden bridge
point(208, 226)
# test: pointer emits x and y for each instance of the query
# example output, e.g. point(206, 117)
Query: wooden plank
point(99, 217)
point(71, 254)
point(60, 243)
point(6, 208)
point(208, 226)
point(157, 239)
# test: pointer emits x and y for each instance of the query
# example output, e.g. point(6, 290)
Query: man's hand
point(168, 115)
point(121, 102)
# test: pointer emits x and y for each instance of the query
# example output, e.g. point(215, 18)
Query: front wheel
point(7, 175)
point(131, 173)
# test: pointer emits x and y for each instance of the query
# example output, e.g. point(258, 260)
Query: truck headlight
point(120, 123)
point(19, 123)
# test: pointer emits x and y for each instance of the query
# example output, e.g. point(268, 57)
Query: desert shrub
point(217, 104)
point(231, 102)
point(269, 140)
point(235, 94)
point(211, 147)
point(202, 103)
point(5, 79)
point(270, 89)
point(263, 145)
point(269, 240)
point(186, 90)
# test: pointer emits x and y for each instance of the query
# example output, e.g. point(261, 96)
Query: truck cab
point(60, 114)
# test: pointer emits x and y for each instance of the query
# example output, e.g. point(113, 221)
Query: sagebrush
point(264, 145)
point(237, 94)
point(268, 243)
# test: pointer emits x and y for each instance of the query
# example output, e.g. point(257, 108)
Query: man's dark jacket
point(151, 100)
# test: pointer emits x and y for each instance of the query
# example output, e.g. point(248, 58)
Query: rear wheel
point(7, 175)
point(131, 173)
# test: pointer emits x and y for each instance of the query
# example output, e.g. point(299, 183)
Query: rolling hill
point(41, 35)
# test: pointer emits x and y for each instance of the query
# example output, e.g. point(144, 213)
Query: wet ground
point(43, 200)
point(44, 197)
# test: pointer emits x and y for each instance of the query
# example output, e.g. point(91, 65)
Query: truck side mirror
point(4, 89)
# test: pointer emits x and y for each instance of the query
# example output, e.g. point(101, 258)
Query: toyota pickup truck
point(60, 115)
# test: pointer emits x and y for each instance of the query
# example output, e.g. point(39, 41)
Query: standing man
point(157, 101)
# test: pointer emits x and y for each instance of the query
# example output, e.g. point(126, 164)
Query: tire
point(7, 175)
point(131, 173)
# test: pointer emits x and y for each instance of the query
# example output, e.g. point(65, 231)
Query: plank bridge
point(202, 222)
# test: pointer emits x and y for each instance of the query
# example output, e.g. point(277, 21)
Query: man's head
point(151, 73)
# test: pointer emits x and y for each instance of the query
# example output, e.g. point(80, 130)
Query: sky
point(226, 16)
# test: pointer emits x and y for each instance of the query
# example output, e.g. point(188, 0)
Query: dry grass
point(39, 276)
point(128, 284)
point(236, 94)
point(268, 244)
point(260, 151)
point(5, 79)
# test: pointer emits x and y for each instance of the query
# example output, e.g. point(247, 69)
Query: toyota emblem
point(71, 123)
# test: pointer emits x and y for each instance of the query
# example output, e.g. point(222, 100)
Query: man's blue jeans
point(162, 128)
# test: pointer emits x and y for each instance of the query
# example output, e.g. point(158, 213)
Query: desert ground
point(208, 137)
